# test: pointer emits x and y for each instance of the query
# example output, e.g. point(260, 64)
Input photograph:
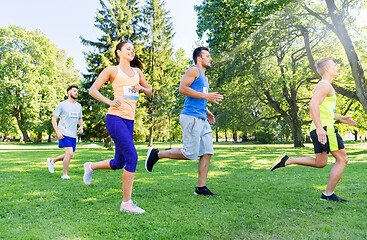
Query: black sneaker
point(152, 158)
point(279, 162)
point(204, 191)
point(332, 197)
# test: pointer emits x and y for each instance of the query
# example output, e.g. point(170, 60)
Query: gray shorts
point(196, 136)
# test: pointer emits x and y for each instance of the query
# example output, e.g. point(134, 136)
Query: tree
point(33, 73)
point(158, 59)
point(119, 21)
point(268, 67)
point(338, 26)
point(228, 23)
point(270, 58)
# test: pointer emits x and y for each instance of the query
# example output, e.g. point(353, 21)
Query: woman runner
point(127, 81)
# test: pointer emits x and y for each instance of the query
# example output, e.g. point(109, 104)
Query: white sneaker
point(88, 172)
point(131, 207)
point(65, 177)
point(51, 165)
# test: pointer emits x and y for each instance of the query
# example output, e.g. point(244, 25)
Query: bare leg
point(69, 154)
point(341, 161)
point(203, 169)
point(58, 158)
point(105, 164)
point(172, 154)
point(319, 162)
point(127, 184)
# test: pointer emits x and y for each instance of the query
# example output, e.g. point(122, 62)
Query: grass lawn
point(254, 203)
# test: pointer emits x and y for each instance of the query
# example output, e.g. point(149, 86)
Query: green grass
point(254, 203)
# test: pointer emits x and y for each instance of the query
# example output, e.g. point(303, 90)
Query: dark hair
point(136, 62)
point(72, 86)
point(197, 53)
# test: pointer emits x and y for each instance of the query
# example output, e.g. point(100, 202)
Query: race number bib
point(130, 93)
point(205, 90)
point(73, 115)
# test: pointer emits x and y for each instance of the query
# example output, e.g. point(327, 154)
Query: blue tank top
point(195, 106)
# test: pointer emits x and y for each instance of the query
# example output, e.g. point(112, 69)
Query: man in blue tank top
point(194, 119)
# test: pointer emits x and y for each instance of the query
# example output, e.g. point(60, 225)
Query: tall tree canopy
point(34, 75)
point(265, 59)
point(118, 21)
point(158, 53)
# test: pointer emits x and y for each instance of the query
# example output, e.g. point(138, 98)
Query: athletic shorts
point(334, 141)
point(196, 136)
point(67, 142)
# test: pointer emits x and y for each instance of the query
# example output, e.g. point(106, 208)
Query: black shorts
point(334, 141)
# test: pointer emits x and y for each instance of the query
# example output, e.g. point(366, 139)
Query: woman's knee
point(116, 163)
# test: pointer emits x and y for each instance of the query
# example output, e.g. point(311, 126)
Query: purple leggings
point(121, 130)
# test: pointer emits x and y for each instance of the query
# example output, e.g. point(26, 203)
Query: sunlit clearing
point(322, 187)
point(89, 199)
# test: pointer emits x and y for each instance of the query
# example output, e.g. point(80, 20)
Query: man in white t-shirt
point(70, 113)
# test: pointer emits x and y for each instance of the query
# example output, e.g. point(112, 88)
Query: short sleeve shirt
point(69, 114)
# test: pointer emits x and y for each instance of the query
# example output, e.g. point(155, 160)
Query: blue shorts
point(67, 142)
point(121, 130)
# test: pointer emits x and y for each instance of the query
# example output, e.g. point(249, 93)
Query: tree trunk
point(216, 135)
point(244, 138)
point(21, 122)
point(50, 131)
point(151, 131)
point(355, 135)
point(225, 134)
point(235, 137)
point(296, 128)
point(108, 142)
point(39, 137)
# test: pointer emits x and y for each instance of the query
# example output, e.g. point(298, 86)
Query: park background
point(264, 54)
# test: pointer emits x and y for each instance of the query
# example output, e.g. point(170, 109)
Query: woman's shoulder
point(138, 70)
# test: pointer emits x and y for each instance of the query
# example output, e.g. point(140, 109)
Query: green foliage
point(263, 67)
point(159, 64)
point(227, 23)
point(34, 76)
point(254, 203)
point(150, 30)
point(118, 21)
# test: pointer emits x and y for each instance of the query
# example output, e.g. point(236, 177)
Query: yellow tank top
point(122, 89)
point(327, 110)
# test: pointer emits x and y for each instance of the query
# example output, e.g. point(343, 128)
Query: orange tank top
point(122, 89)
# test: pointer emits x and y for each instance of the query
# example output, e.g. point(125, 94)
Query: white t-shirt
point(69, 114)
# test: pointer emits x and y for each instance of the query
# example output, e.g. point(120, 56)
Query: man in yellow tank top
point(324, 134)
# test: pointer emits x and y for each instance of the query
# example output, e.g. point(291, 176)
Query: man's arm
point(210, 116)
point(186, 81)
point(345, 119)
point(54, 124)
point(80, 122)
point(322, 90)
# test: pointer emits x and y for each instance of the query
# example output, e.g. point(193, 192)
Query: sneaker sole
point(123, 210)
point(48, 162)
point(277, 161)
point(331, 200)
point(146, 160)
point(85, 170)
